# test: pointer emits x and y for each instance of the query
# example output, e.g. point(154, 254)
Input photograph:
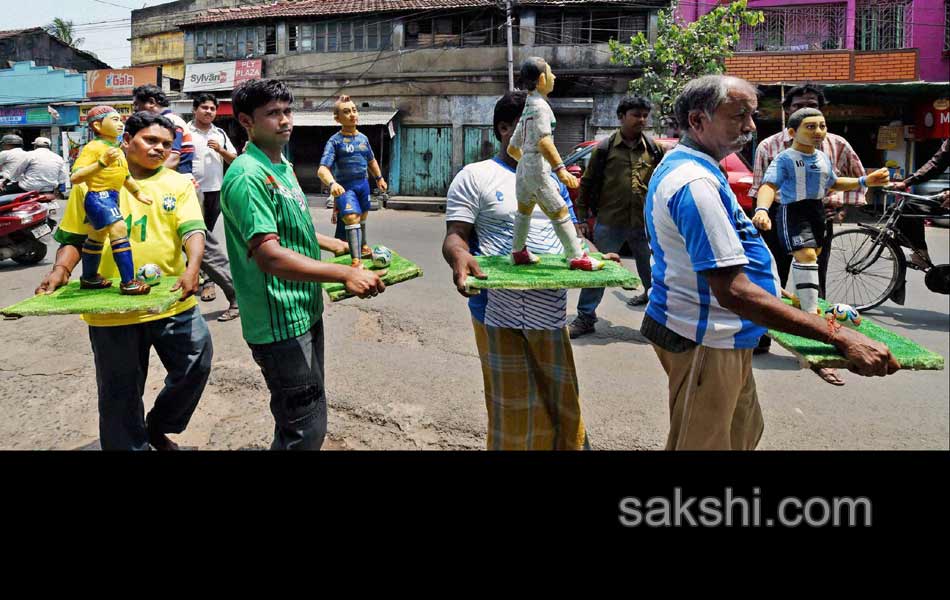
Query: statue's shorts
point(355, 200)
point(102, 208)
point(800, 225)
point(535, 185)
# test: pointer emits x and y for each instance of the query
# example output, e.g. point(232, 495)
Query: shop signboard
point(104, 83)
point(889, 137)
point(38, 116)
point(933, 120)
point(203, 77)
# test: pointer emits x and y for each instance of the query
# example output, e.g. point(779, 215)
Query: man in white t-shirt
point(213, 150)
point(11, 155)
point(531, 389)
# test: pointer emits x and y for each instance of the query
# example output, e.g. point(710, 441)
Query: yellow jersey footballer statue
point(102, 167)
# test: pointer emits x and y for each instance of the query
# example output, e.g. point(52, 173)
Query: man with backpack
point(613, 189)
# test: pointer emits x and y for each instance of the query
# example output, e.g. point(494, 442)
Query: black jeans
point(211, 206)
point(293, 370)
point(183, 343)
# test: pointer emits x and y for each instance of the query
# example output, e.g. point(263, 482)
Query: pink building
point(857, 26)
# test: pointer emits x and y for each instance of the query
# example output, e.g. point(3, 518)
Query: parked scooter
point(25, 220)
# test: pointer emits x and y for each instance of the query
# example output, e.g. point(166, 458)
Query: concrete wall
point(929, 36)
point(45, 50)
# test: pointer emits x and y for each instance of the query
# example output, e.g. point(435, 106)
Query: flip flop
point(206, 296)
point(230, 314)
point(828, 375)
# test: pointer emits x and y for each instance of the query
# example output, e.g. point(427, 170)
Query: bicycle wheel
point(862, 272)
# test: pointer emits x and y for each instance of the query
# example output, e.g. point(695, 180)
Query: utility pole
point(511, 68)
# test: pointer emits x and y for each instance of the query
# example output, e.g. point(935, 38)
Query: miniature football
point(844, 313)
point(382, 256)
point(149, 273)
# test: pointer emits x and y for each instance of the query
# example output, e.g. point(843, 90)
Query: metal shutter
point(570, 131)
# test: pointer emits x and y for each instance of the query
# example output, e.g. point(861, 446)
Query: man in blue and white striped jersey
point(715, 288)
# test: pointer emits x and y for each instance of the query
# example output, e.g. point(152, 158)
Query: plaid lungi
point(531, 390)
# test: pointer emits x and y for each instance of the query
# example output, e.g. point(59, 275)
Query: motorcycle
point(25, 220)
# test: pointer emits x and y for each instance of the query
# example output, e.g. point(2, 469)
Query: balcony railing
point(813, 27)
point(883, 24)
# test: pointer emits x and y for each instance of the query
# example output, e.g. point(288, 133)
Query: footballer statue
point(532, 145)
point(350, 156)
point(102, 167)
point(799, 178)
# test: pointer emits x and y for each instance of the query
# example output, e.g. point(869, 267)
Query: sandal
point(828, 375)
point(230, 314)
point(208, 294)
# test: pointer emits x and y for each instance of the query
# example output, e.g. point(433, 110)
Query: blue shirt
point(348, 156)
point(696, 224)
point(799, 176)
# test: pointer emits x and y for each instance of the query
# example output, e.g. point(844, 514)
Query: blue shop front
point(40, 101)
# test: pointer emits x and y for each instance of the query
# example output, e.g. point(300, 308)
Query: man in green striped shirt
point(275, 261)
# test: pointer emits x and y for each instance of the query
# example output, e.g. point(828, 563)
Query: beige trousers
point(713, 402)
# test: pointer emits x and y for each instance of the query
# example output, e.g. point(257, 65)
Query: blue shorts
point(102, 208)
point(355, 201)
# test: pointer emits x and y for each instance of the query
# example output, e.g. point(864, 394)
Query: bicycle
point(866, 265)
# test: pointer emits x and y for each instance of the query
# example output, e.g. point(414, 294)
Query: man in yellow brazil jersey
point(121, 342)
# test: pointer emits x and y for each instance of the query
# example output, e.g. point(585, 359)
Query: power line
point(113, 4)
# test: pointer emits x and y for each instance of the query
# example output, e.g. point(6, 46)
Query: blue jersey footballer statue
point(350, 157)
point(802, 175)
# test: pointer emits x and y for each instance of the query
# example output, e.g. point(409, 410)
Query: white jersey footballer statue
point(532, 145)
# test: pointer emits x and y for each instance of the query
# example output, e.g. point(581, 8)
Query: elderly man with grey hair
point(715, 288)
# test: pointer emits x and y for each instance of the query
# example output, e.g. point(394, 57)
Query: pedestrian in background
point(613, 188)
point(213, 150)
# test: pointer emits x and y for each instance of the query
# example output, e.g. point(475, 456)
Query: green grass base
point(70, 300)
point(399, 270)
point(813, 353)
point(552, 273)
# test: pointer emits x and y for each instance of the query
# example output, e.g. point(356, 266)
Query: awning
point(870, 91)
point(324, 118)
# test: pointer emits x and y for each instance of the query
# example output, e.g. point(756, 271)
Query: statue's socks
point(522, 225)
point(353, 238)
point(91, 255)
point(122, 253)
point(564, 228)
point(805, 277)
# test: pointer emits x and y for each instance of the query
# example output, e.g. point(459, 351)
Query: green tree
point(62, 30)
point(682, 52)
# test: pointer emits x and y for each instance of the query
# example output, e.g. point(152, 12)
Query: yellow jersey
point(107, 178)
point(155, 233)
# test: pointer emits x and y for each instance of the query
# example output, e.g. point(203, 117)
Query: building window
point(340, 36)
point(468, 29)
point(591, 26)
point(946, 26)
point(235, 43)
point(796, 28)
point(883, 24)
